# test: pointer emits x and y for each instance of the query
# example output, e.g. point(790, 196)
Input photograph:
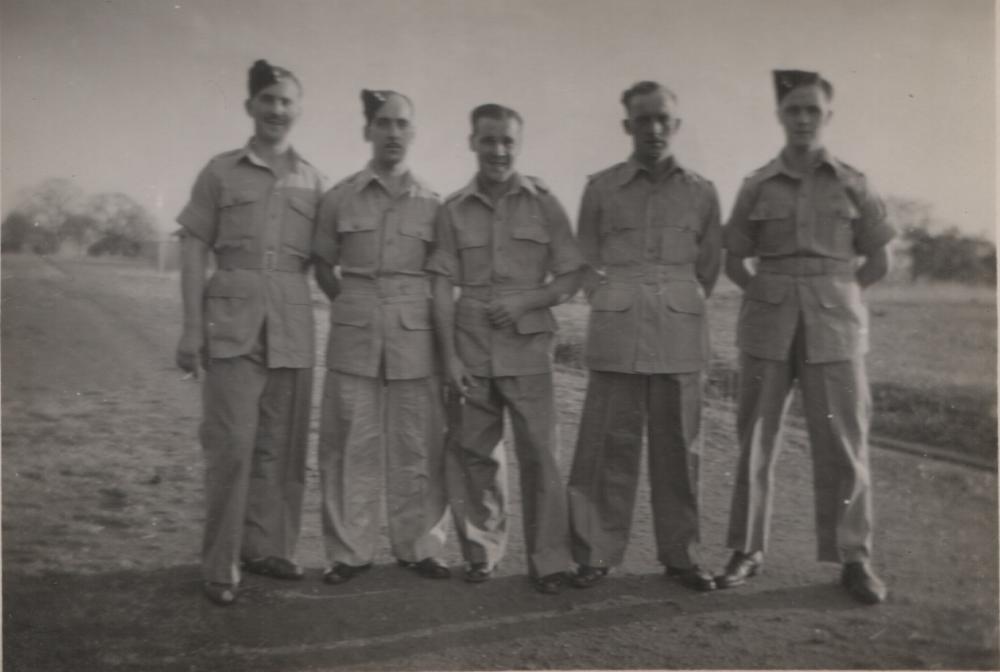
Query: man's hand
point(190, 352)
point(459, 379)
point(505, 310)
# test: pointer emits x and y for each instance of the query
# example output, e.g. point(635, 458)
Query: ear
point(627, 126)
point(472, 141)
point(246, 106)
point(676, 126)
point(365, 134)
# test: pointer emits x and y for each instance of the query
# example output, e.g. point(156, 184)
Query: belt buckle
point(270, 259)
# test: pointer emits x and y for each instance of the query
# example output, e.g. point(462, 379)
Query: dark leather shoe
point(587, 576)
point(862, 583)
point(477, 572)
point(222, 594)
point(275, 568)
point(429, 568)
point(342, 573)
point(741, 566)
point(693, 577)
point(550, 584)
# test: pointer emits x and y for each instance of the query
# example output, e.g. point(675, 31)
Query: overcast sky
point(136, 95)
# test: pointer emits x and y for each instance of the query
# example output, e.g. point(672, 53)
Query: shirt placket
point(498, 240)
point(805, 213)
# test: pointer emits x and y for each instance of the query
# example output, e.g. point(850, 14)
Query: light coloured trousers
point(378, 436)
point(605, 473)
point(254, 436)
point(837, 409)
point(479, 492)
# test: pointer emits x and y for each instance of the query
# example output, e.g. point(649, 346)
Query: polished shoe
point(862, 583)
point(693, 577)
point(275, 568)
point(550, 584)
point(429, 568)
point(222, 594)
point(342, 573)
point(477, 572)
point(586, 576)
point(741, 566)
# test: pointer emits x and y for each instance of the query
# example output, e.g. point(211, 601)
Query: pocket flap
point(418, 229)
point(832, 294)
point(305, 207)
point(415, 316)
point(536, 322)
point(472, 236)
point(846, 210)
point(533, 230)
point(350, 313)
point(684, 297)
point(231, 197)
point(767, 288)
point(770, 210)
point(224, 285)
point(353, 223)
point(611, 298)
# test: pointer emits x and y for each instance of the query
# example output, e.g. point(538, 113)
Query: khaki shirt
point(380, 322)
point(518, 243)
point(657, 240)
point(260, 228)
point(808, 232)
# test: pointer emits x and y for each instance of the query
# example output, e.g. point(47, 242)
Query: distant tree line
point(932, 251)
point(58, 217)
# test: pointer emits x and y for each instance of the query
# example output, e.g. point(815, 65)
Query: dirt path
point(102, 517)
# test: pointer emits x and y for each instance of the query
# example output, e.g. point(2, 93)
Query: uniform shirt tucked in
point(380, 322)
point(656, 238)
point(807, 231)
point(260, 227)
point(489, 249)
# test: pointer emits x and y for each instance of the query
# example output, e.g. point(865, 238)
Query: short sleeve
point(871, 230)
point(199, 216)
point(565, 256)
point(738, 236)
point(325, 244)
point(709, 260)
point(443, 259)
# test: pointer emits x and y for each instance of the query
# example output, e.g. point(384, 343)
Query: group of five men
point(441, 325)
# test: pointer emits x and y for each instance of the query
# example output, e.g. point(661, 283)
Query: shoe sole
point(721, 582)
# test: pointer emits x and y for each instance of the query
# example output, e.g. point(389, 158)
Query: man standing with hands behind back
point(252, 326)
point(808, 218)
point(650, 232)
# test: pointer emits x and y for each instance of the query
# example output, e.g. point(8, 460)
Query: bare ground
point(102, 521)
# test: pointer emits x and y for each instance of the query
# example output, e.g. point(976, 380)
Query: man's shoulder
point(696, 180)
point(610, 174)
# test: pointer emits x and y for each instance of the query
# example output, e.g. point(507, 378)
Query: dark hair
point(786, 81)
point(372, 101)
point(494, 111)
point(262, 75)
point(644, 87)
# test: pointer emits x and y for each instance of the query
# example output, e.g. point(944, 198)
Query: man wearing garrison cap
point(251, 327)
point(818, 233)
point(650, 231)
point(382, 416)
point(505, 240)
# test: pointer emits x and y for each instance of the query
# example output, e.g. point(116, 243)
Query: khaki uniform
point(260, 341)
point(382, 425)
point(489, 249)
point(803, 318)
point(656, 239)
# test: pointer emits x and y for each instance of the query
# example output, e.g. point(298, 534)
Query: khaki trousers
point(837, 409)
point(605, 473)
point(479, 489)
point(254, 435)
point(382, 435)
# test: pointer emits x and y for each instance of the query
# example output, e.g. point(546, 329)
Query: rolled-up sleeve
point(199, 216)
point(325, 245)
point(443, 260)
point(871, 230)
point(565, 256)
point(738, 236)
point(709, 261)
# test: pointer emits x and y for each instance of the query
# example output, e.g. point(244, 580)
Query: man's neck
point(802, 159)
point(274, 154)
point(494, 190)
point(656, 166)
point(391, 174)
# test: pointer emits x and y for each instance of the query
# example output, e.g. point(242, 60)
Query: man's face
point(391, 131)
point(496, 143)
point(803, 113)
point(275, 109)
point(652, 122)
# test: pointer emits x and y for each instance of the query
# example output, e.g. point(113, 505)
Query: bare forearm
point(326, 279)
point(443, 311)
point(194, 263)
point(736, 270)
point(561, 289)
point(875, 267)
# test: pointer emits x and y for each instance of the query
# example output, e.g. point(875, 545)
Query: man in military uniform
point(506, 242)
point(650, 232)
point(382, 418)
point(818, 232)
point(251, 325)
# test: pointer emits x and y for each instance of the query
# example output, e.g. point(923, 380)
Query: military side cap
point(263, 75)
point(786, 80)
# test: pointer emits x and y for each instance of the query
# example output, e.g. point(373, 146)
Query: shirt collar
point(633, 168)
point(778, 166)
point(411, 183)
point(517, 183)
point(247, 153)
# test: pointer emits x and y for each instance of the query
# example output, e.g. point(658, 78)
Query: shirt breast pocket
point(839, 225)
point(774, 223)
point(357, 233)
point(679, 239)
point(236, 217)
point(299, 225)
